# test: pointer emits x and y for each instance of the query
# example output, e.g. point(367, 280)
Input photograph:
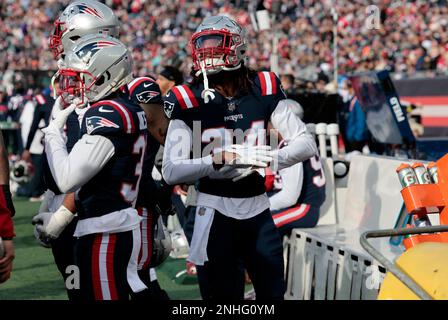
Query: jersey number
point(129, 191)
point(251, 136)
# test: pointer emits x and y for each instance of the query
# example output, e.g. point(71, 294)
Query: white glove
point(40, 222)
point(248, 156)
point(227, 172)
point(48, 198)
point(59, 115)
point(57, 223)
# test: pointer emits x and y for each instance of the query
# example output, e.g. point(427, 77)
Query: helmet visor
point(211, 41)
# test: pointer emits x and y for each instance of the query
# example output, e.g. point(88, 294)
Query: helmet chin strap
point(207, 93)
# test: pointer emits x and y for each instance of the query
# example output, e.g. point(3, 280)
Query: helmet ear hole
point(100, 81)
point(74, 38)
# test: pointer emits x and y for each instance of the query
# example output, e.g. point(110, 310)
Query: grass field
point(35, 275)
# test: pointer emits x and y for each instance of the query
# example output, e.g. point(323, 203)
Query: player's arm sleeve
point(177, 167)
point(38, 115)
point(300, 143)
point(292, 180)
point(88, 156)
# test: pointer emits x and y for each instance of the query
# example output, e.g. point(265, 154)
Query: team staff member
point(7, 211)
point(233, 222)
point(168, 78)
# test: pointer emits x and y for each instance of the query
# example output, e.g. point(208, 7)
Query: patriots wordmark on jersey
point(115, 187)
point(242, 119)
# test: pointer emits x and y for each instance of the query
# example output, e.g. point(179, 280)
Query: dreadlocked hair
point(239, 79)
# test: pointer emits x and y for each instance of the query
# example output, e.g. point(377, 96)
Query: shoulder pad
point(108, 116)
point(144, 90)
point(269, 84)
point(179, 98)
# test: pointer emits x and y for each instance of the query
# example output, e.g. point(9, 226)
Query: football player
point(151, 202)
point(233, 222)
point(82, 18)
point(298, 192)
point(104, 167)
point(78, 19)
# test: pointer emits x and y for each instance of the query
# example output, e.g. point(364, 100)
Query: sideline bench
point(328, 262)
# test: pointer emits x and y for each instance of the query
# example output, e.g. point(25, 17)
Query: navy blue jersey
point(249, 113)
point(148, 187)
point(313, 185)
point(115, 187)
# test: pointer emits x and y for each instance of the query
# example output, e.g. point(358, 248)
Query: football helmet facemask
point(21, 172)
point(219, 43)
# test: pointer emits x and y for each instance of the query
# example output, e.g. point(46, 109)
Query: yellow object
point(427, 265)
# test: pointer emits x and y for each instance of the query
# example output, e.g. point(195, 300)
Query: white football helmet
point(21, 172)
point(82, 18)
point(219, 43)
point(95, 67)
point(162, 244)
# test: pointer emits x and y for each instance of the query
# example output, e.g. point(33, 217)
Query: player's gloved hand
point(45, 204)
point(40, 222)
point(227, 172)
point(57, 222)
point(59, 115)
point(241, 156)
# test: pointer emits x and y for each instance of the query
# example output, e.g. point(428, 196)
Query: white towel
point(202, 224)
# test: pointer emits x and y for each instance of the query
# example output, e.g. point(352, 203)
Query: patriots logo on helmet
point(146, 96)
point(93, 48)
point(84, 8)
point(96, 122)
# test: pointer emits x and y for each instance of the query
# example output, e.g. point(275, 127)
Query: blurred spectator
point(35, 116)
point(3, 104)
point(356, 127)
point(412, 38)
point(168, 78)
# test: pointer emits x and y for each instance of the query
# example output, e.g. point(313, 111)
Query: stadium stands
point(412, 37)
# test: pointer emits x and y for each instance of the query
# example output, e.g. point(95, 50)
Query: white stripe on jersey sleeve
point(268, 80)
point(185, 96)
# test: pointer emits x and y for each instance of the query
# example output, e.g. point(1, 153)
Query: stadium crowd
point(412, 37)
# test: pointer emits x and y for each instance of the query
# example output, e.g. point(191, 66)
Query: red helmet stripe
point(92, 12)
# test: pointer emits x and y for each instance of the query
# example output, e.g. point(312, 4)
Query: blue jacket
point(356, 124)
